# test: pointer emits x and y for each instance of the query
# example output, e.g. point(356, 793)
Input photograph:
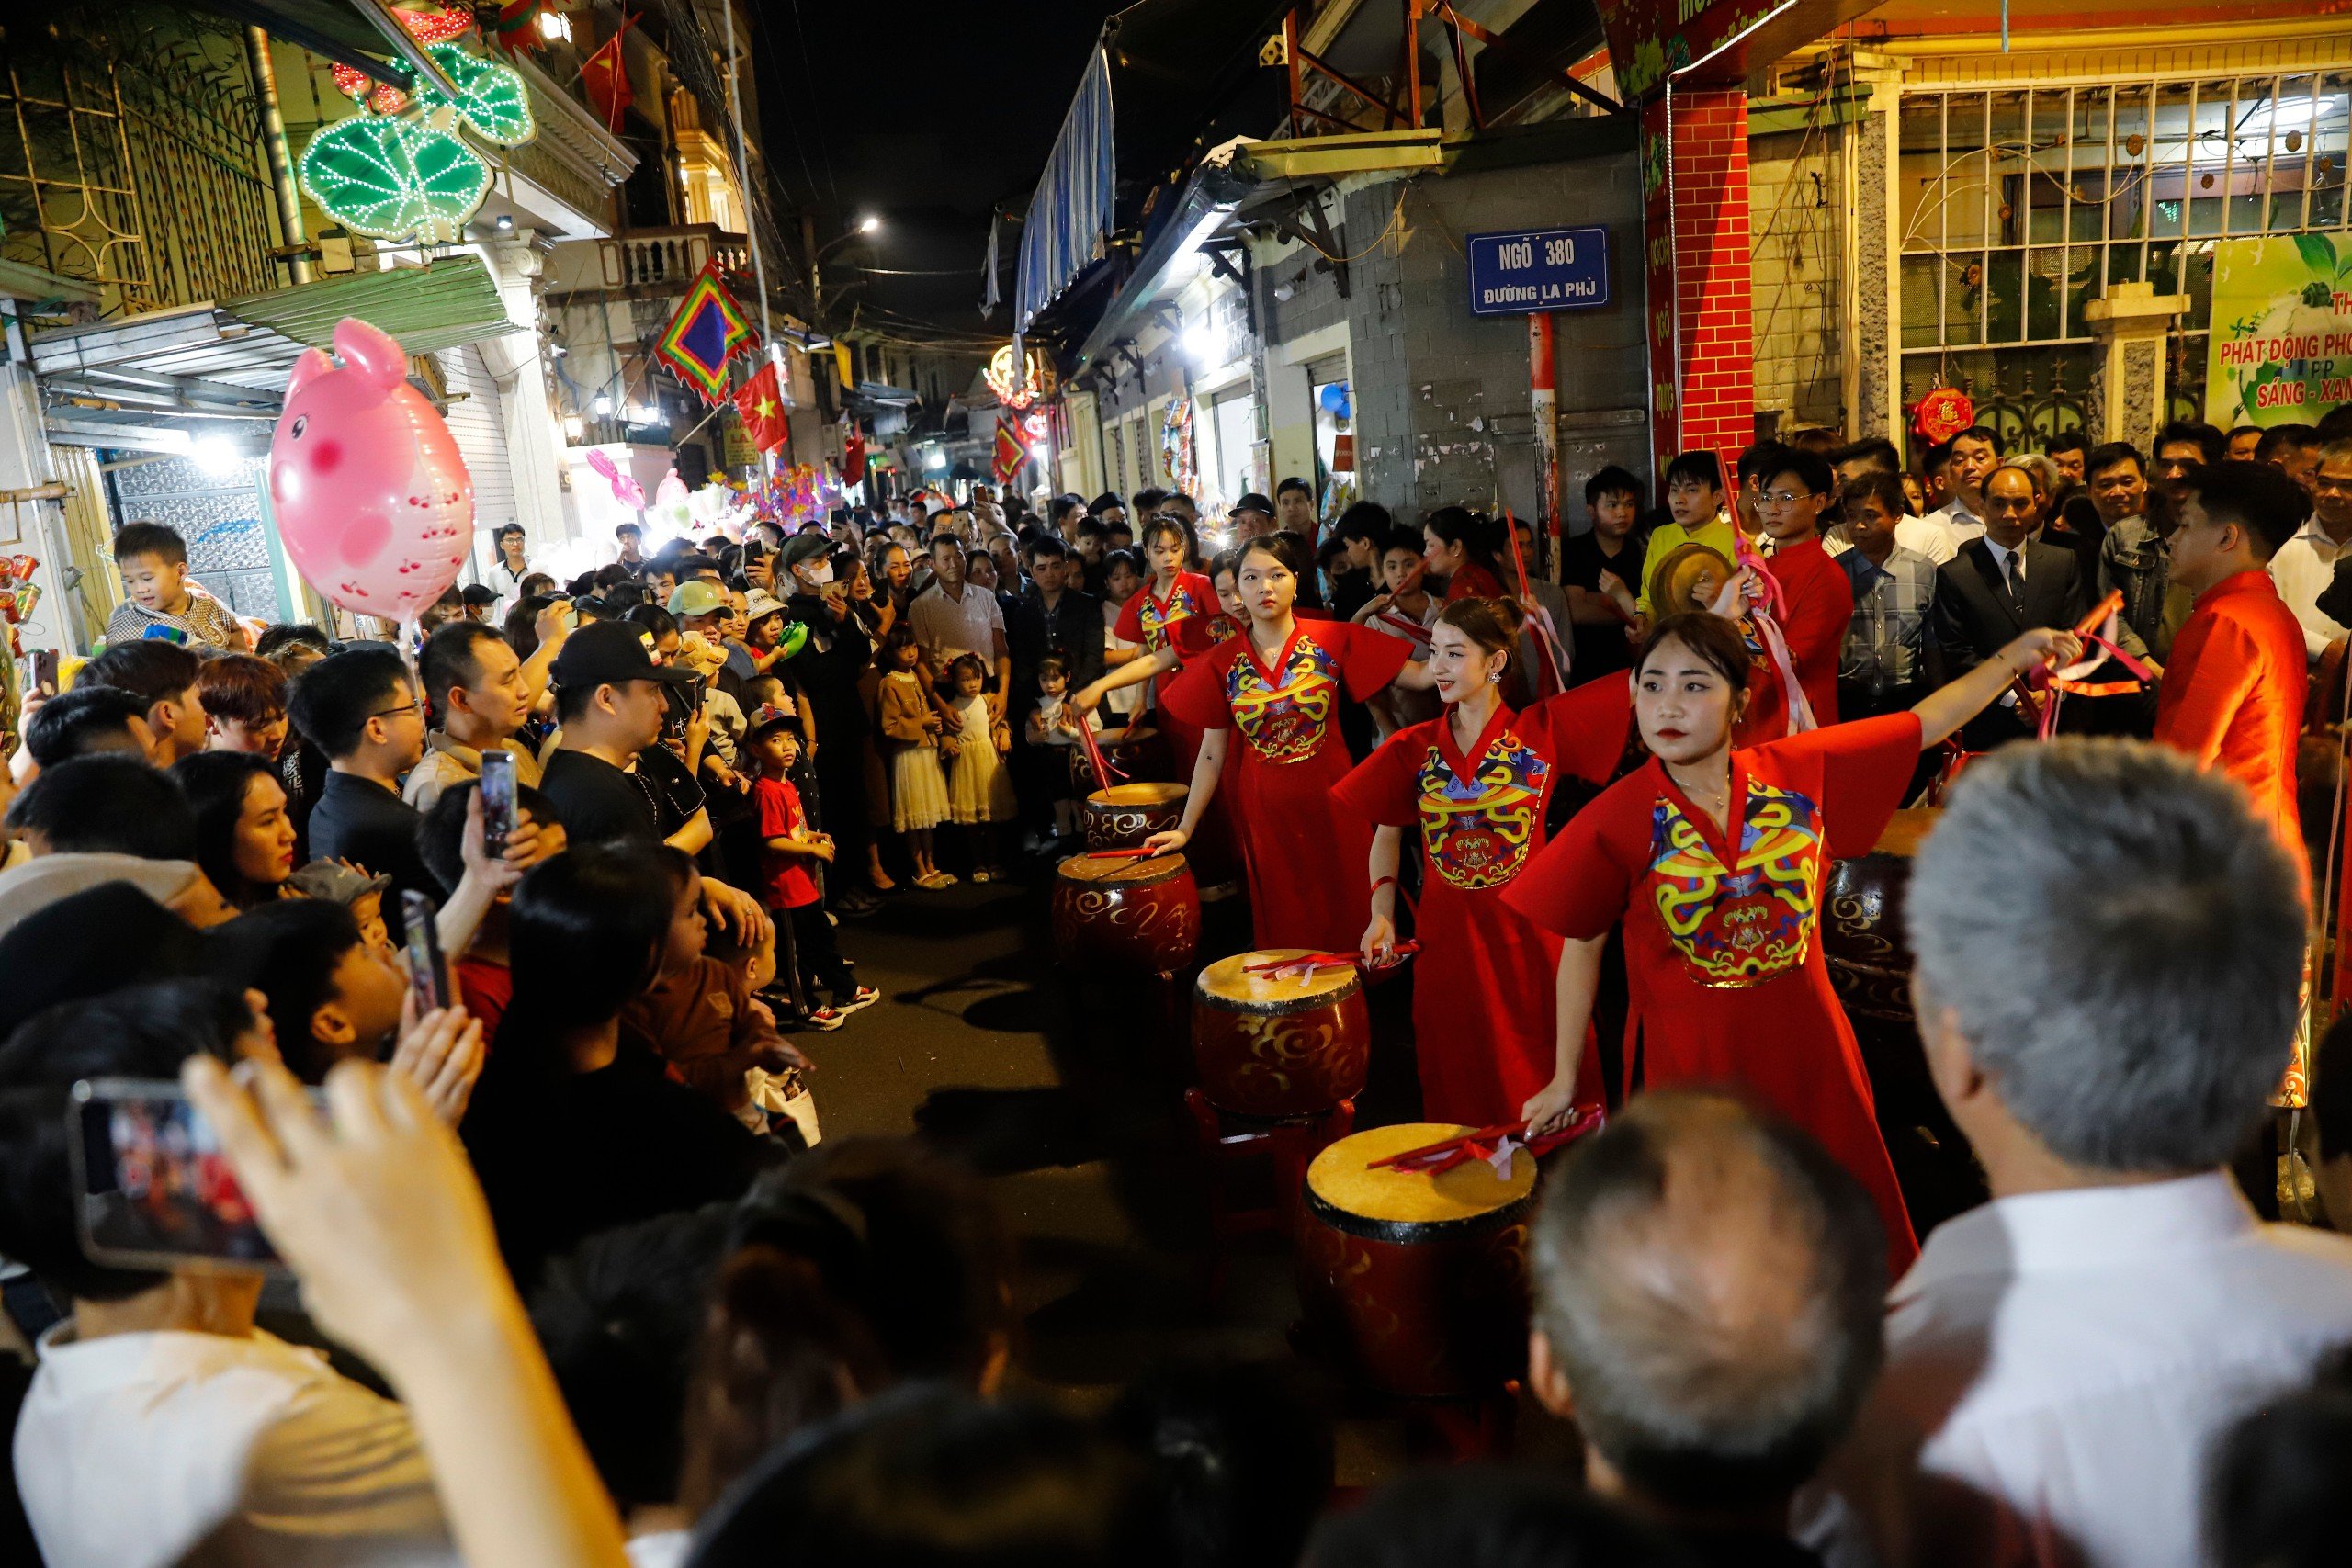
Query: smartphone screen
point(153, 1190)
point(423, 952)
point(497, 799)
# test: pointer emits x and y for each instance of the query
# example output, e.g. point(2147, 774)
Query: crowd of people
point(488, 952)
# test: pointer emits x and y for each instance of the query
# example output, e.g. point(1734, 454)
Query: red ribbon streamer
point(1103, 772)
point(1488, 1142)
point(1307, 963)
point(1548, 637)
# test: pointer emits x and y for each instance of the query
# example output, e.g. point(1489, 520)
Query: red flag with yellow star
point(760, 405)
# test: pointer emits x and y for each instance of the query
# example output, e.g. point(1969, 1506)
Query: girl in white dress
point(912, 725)
point(980, 785)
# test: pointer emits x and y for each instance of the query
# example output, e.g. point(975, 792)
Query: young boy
point(1603, 619)
point(152, 561)
point(787, 888)
point(1694, 504)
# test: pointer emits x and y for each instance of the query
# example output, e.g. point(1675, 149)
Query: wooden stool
point(1286, 1148)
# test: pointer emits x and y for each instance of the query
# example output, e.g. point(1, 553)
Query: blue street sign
point(1538, 270)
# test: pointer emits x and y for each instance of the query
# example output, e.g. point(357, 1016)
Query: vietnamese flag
point(760, 405)
point(604, 79)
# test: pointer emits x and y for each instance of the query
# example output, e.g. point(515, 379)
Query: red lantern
point(1943, 413)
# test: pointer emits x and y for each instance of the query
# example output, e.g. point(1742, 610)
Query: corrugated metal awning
point(441, 305)
point(155, 379)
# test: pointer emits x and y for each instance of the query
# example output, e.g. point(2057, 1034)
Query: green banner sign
point(2282, 344)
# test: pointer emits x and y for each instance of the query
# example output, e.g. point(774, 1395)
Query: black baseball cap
point(1253, 502)
point(610, 653)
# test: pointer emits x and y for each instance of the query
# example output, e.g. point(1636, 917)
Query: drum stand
point(1233, 1144)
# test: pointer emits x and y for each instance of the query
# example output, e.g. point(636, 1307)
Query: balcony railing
point(646, 260)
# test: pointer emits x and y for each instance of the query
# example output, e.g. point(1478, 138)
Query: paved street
point(1068, 1094)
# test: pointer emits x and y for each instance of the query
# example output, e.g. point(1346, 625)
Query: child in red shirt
point(787, 888)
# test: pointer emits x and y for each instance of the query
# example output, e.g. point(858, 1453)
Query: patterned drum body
point(1123, 816)
point(1868, 950)
point(1263, 1047)
point(1862, 935)
point(1130, 915)
point(1422, 1279)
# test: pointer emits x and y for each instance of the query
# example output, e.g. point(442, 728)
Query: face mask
point(816, 576)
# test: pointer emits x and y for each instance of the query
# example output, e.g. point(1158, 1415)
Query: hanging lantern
point(1018, 381)
point(1943, 413)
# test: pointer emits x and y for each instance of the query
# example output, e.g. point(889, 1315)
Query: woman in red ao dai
point(1714, 859)
point(1476, 782)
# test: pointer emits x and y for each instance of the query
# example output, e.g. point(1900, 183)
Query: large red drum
point(1419, 1278)
point(1128, 914)
point(1289, 1046)
point(1123, 816)
point(1868, 950)
point(1862, 936)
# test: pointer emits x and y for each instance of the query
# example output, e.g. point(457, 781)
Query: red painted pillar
point(1694, 230)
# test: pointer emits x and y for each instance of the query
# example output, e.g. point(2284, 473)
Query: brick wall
point(1695, 188)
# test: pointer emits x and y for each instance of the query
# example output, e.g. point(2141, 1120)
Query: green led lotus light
point(409, 175)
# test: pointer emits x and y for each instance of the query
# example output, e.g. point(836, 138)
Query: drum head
point(1906, 831)
point(1120, 871)
point(1129, 796)
point(1345, 1190)
point(1229, 983)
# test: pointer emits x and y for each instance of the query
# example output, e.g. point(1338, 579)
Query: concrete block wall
point(1441, 398)
point(1796, 274)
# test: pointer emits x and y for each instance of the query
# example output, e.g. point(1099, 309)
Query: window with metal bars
point(2020, 206)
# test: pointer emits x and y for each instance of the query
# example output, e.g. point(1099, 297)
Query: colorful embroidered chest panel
point(1477, 832)
point(1158, 617)
point(1747, 923)
point(1283, 719)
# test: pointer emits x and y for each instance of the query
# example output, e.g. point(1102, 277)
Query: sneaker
point(825, 1018)
point(864, 997)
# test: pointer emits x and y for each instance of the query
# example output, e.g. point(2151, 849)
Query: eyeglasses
point(1783, 497)
point(394, 713)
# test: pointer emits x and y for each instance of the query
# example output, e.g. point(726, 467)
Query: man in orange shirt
point(2233, 692)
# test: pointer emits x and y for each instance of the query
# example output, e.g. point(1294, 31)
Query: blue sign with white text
point(1538, 270)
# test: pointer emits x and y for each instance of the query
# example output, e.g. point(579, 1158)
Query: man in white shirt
point(951, 618)
point(162, 1427)
point(1975, 451)
point(2306, 563)
point(2109, 954)
point(1921, 535)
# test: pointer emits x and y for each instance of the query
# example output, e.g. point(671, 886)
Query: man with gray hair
point(2109, 951)
point(1708, 1286)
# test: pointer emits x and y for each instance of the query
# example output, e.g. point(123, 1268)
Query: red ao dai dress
point(1722, 932)
point(1483, 980)
point(1304, 863)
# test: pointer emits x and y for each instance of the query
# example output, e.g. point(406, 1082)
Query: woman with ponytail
point(1460, 547)
point(1713, 856)
point(1476, 782)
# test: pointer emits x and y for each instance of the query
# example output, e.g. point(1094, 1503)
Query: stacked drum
point(1419, 1277)
point(1123, 816)
point(1869, 954)
point(1127, 914)
point(1285, 1043)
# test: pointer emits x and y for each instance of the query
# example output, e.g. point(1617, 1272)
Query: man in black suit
point(2000, 585)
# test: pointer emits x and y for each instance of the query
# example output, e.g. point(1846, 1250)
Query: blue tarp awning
point(1071, 211)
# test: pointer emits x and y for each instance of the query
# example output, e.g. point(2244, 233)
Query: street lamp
point(867, 225)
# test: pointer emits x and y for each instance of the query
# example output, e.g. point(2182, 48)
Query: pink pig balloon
point(372, 499)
